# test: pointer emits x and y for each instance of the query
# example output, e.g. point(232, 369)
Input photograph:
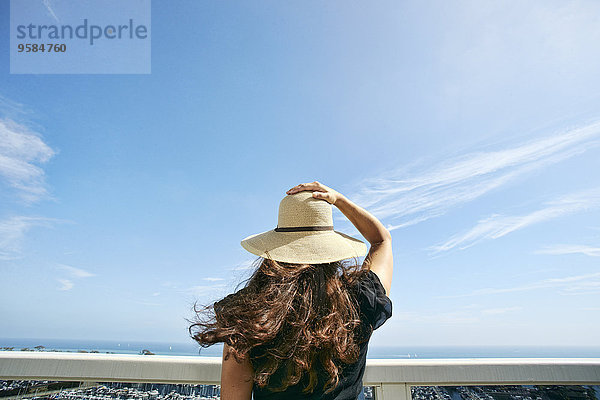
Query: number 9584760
point(42, 48)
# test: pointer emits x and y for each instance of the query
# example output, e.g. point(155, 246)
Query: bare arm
point(237, 379)
point(379, 259)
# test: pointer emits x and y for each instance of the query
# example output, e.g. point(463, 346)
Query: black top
point(375, 309)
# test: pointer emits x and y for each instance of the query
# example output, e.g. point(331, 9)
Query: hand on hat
point(319, 190)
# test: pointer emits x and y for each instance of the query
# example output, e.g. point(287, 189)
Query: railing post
point(393, 391)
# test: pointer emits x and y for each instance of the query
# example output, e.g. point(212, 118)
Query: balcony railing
point(392, 378)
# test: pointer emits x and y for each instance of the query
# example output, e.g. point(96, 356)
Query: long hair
point(289, 316)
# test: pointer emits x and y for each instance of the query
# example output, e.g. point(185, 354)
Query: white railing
point(392, 379)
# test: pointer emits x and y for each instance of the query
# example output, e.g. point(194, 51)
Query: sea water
point(399, 352)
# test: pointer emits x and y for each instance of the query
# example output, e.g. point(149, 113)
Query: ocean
point(402, 352)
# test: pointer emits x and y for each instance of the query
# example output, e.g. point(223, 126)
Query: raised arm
point(379, 259)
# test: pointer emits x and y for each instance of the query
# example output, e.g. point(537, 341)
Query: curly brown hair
point(289, 316)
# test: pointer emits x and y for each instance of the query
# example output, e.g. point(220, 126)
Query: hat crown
point(301, 209)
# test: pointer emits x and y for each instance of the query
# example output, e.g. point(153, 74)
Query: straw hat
point(304, 234)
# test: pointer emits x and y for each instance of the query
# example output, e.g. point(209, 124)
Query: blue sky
point(471, 129)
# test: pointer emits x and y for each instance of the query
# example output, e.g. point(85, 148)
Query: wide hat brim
point(304, 247)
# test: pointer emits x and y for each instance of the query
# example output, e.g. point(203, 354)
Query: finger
point(321, 195)
point(301, 187)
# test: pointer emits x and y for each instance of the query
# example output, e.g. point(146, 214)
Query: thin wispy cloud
point(22, 152)
point(13, 231)
point(570, 285)
point(496, 225)
point(76, 272)
point(220, 286)
point(584, 287)
point(66, 284)
point(169, 284)
point(451, 317)
point(244, 265)
point(147, 303)
point(570, 249)
point(503, 310)
point(11, 109)
point(535, 271)
point(204, 290)
point(467, 315)
point(402, 199)
point(48, 6)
